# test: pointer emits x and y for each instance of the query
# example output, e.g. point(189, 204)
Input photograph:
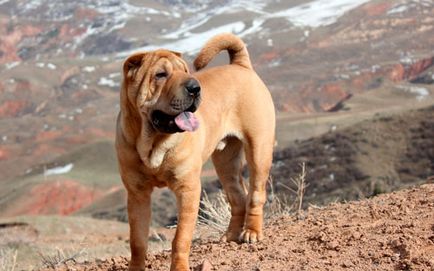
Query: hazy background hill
point(352, 81)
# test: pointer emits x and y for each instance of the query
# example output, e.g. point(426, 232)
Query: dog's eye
point(160, 75)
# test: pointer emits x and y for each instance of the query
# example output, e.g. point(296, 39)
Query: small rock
point(205, 266)
point(357, 235)
point(347, 264)
point(334, 245)
point(157, 237)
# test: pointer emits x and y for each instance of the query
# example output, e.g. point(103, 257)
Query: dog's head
point(161, 89)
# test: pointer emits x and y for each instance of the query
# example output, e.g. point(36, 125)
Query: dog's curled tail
point(235, 46)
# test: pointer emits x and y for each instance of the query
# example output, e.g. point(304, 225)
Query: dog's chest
point(153, 153)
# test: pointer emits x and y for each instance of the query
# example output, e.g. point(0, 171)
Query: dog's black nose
point(193, 87)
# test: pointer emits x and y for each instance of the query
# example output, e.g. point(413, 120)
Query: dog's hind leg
point(259, 154)
point(228, 164)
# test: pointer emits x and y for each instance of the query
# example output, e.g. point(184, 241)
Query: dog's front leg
point(139, 217)
point(187, 196)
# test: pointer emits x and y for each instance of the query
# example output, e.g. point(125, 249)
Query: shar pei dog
point(172, 120)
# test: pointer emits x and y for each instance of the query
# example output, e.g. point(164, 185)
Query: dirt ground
point(388, 232)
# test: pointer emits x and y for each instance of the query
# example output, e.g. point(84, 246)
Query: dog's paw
point(179, 267)
point(250, 236)
point(230, 236)
point(136, 268)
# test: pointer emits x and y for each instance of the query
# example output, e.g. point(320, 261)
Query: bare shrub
point(278, 205)
point(60, 257)
point(217, 213)
point(300, 184)
point(275, 206)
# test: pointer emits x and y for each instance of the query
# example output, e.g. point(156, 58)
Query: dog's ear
point(132, 63)
point(182, 61)
point(177, 53)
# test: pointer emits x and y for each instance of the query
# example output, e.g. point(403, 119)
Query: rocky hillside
point(371, 157)
point(60, 75)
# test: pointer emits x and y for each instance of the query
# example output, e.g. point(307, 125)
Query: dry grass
point(216, 213)
point(287, 205)
point(276, 206)
point(60, 257)
point(300, 184)
point(8, 259)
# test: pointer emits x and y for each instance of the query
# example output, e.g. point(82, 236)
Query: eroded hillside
point(374, 156)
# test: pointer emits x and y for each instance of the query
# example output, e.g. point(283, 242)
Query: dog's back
point(235, 46)
point(240, 122)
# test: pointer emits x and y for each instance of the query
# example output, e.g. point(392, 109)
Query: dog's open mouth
point(184, 121)
point(187, 121)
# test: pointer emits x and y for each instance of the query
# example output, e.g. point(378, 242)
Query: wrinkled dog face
point(162, 90)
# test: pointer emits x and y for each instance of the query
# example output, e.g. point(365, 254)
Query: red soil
point(376, 9)
point(4, 153)
point(62, 197)
point(12, 108)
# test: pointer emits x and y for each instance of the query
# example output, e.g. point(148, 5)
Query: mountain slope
point(61, 61)
point(373, 156)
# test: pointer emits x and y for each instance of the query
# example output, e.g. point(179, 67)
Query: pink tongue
point(187, 121)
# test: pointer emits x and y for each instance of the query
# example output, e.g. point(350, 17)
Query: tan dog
point(164, 136)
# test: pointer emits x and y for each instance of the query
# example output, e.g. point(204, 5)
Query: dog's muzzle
point(181, 118)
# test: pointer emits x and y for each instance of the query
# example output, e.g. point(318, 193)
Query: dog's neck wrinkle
point(153, 147)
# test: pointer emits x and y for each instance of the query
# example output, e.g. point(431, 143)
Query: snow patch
point(398, 9)
point(375, 68)
point(275, 63)
point(51, 66)
point(114, 75)
point(201, 18)
point(11, 65)
point(313, 14)
point(420, 92)
point(89, 69)
point(255, 28)
point(319, 12)
point(59, 170)
point(103, 81)
point(193, 41)
point(406, 60)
